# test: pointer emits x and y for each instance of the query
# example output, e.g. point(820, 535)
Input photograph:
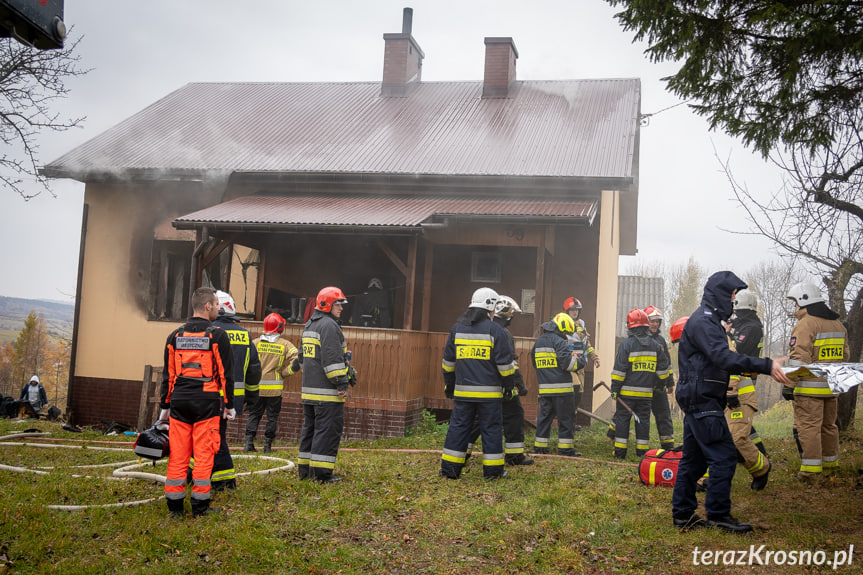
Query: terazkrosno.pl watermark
point(760, 555)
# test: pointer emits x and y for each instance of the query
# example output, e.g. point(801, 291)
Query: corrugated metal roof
point(566, 128)
point(637, 292)
point(344, 210)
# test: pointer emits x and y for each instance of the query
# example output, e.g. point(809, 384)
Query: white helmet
point(486, 298)
point(506, 307)
point(805, 293)
point(226, 303)
point(746, 299)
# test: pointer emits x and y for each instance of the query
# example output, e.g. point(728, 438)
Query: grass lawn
point(393, 514)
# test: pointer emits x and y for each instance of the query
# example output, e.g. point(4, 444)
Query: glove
point(522, 388)
point(295, 365)
point(352, 376)
point(162, 425)
point(449, 390)
point(788, 393)
point(509, 393)
point(165, 414)
point(733, 401)
point(613, 396)
point(229, 413)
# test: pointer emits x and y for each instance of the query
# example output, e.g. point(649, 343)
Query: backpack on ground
point(659, 467)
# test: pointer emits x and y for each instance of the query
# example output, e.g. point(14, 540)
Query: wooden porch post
point(408, 270)
point(539, 301)
point(427, 277)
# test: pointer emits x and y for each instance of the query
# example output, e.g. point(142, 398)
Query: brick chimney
point(403, 59)
point(500, 57)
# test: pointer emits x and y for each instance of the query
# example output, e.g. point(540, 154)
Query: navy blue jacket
point(704, 357)
point(554, 362)
point(478, 361)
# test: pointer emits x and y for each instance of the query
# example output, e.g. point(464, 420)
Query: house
point(275, 190)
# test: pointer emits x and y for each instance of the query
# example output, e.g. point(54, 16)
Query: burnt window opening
point(170, 268)
point(485, 267)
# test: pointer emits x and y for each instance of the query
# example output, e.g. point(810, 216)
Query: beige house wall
point(606, 293)
point(116, 340)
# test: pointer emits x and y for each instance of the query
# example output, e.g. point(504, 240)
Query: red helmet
point(274, 323)
point(570, 303)
point(636, 318)
point(676, 330)
point(328, 296)
point(653, 313)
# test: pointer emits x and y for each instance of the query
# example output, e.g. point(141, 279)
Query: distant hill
point(13, 311)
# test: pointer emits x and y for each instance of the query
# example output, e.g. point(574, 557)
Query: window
point(170, 267)
point(485, 267)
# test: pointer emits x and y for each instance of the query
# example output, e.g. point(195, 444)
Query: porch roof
point(273, 213)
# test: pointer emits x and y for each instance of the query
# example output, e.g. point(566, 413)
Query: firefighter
point(640, 366)
point(327, 377)
point(659, 402)
point(705, 362)
point(513, 411)
point(197, 383)
point(579, 343)
point(554, 364)
point(746, 332)
point(817, 337)
point(478, 371)
point(277, 355)
point(247, 371)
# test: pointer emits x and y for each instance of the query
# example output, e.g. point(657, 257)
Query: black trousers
point(662, 414)
point(320, 438)
point(513, 429)
point(561, 406)
point(464, 415)
point(273, 406)
point(621, 426)
point(707, 442)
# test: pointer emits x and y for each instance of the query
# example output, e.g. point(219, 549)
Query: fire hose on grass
point(125, 470)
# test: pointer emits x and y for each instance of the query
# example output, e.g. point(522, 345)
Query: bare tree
point(771, 281)
point(30, 81)
point(817, 219)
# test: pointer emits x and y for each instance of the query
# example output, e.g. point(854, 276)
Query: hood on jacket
point(642, 334)
point(718, 290)
point(550, 326)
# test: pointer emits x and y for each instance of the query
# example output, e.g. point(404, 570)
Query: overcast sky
point(141, 51)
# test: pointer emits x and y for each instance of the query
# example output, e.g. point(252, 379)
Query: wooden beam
point(214, 252)
point(540, 281)
point(410, 284)
point(427, 278)
point(400, 265)
point(260, 305)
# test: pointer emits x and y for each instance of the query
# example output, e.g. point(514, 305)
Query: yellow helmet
point(564, 323)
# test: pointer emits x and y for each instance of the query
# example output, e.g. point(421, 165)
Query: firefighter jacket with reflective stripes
point(580, 342)
point(478, 361)
point(323, 359)
point(747, 333)
point(277, 354)
point(199, 366)
point(641, 364)
point(668, 381)
point(554, 362)
point(704, 358)
point(518, 380)
point(247, 365)
point(816, 340)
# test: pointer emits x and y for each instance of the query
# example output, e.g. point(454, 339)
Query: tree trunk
point(847, 409)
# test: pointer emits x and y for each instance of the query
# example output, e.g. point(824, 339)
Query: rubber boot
point(175, 506)
point(301, 310)
point(250, 443)
point(268, 445)
point(202, 507)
